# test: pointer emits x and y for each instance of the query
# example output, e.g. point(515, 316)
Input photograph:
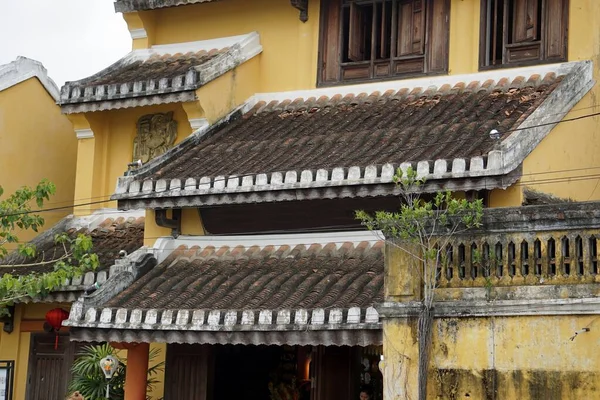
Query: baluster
point(468, 262)
point(544, 258)
point(573, 260)
point(559, 257)
point(586, 259)
point(441, 269)
point(456, 261)
point(518, 278)
point(499, 257)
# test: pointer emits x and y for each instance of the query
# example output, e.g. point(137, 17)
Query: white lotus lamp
point(109, 365)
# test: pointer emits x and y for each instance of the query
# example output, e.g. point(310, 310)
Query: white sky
point(72, 38)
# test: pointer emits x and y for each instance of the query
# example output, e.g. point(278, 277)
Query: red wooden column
point(137, 371)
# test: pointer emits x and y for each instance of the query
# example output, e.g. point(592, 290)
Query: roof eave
point(497, 169)
point(85, 96)
point(125, 6)
point(299, 191)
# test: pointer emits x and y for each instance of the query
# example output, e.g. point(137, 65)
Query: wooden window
point(379, 39)
point(523, 32)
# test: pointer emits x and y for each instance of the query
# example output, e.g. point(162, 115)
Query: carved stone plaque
point(156, 133)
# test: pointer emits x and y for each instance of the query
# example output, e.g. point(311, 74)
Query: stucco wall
point(36, 142)
point(499, 358)
point(564, 164)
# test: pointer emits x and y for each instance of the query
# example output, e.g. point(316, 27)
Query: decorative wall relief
point(156, 133)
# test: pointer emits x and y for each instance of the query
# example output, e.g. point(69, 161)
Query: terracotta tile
point(353, 131)
point(109, 238)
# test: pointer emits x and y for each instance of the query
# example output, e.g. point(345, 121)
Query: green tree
point(89, 380)
point(16, 212)
point(423, 229)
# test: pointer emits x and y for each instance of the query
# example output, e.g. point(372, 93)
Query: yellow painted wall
point(289, 58)
point(289, 62)
point(571, 152)
point(36, 142)
point(104, 158)
point(16, 345)
point(191, 224)
point(507, 358)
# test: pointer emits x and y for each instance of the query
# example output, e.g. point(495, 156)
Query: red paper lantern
point(55, 317)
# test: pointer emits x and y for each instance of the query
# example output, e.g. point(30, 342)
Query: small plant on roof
point(423, 229)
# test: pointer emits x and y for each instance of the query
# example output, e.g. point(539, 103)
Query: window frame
point(543, 41)
point(331, 30)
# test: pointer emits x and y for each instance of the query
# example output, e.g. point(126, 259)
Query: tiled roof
point(109, 237)
point(365, 129)
point(137, 5)
point(315, 140)
point(278, 287)
point(299, 277)
point(155, 75)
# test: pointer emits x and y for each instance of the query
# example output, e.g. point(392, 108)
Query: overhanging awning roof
point(278, 293)
point(111, 231)
point(160, 74)
point(348, 141)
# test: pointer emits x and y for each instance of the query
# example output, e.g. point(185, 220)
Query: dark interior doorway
point(249, 372)
point(244, 372)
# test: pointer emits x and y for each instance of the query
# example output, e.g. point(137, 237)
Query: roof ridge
point(509, 74)
point(23, 68)
point(164, 246)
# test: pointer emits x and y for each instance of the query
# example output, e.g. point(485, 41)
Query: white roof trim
point(203, 45)
point(91, 222)
point(410, 84)
point(24, 68)
point(166, 245)
point(224, 320)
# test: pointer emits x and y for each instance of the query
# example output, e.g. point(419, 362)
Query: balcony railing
point(539, 258)
point(540, 245)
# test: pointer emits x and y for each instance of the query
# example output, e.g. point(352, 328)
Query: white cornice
point(84, 133)
point(198, 123)
point(138, 33)
point(24, 68)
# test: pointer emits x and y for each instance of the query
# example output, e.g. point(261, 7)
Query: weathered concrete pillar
point(403, 286)
point(137, 371)
point(402, 278)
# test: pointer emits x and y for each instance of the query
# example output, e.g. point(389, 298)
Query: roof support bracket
point(174, 223)
point(301, 5)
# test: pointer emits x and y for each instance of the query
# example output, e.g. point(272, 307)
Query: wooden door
point(188, 372)
point(49, 368)
point(333, 371)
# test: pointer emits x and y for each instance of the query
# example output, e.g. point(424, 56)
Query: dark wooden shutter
point(438, 39)
point(330, 44)
point(525, 18)
point(384, 39)
point(556, 29)
point(49, 369)
point(356, 34)
point(188, 372)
